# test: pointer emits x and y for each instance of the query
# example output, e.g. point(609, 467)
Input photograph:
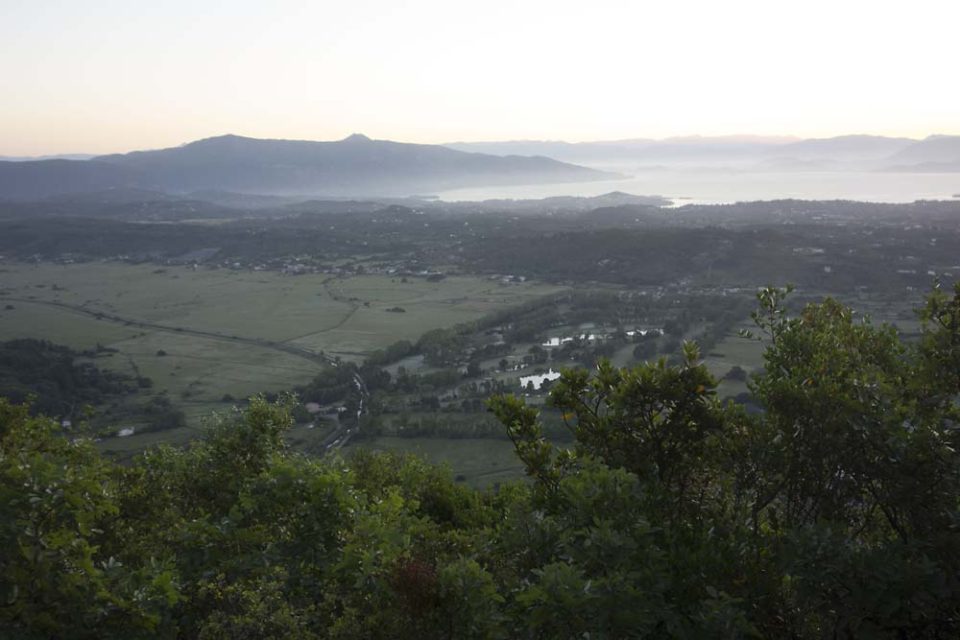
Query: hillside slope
point(354, 166)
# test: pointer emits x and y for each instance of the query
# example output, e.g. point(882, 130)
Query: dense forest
point(65, 384)
point(833, 513)
point(57, 384)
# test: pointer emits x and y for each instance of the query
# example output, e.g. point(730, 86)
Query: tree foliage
point(832, 513)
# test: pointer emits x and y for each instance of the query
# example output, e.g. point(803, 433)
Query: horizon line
point(773, 139)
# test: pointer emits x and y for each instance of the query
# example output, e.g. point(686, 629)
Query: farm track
point(343, 300)
point(342, 322)
point(256, 342)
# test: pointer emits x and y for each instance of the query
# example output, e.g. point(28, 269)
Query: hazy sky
point(114, 75)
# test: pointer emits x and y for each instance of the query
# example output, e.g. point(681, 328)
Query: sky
point(100, 76)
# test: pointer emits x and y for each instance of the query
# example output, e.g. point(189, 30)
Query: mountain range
point(758, 153)
point(359, 166)
point(356, 165)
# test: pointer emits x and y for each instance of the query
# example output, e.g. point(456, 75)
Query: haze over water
point(712, 186)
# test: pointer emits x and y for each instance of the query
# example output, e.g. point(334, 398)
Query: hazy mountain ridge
point(354, 166)
point(848, 152)
point(246, 168)
point(935, 153)
point(36, 179)
point(56, 156)
point(678, 149)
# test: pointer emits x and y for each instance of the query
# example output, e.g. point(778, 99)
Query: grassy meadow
point(345, 316)
point(478, 462)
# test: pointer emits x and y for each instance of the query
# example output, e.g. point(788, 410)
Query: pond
point(538, 379)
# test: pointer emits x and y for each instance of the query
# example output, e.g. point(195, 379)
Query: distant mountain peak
point(227, 138)
point(355, 165)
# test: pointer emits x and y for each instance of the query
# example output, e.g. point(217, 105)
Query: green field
point(480, 462)
point(729, 352)
point(427, 305)
point(239, 313)
point(344, 315)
